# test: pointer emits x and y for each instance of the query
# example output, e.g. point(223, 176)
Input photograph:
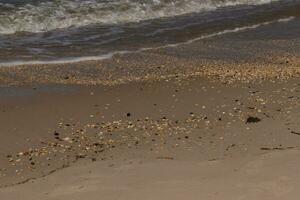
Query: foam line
point(110, 55)
point(60, 14)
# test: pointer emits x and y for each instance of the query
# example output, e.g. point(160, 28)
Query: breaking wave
point(43, 15)
point(111, 54)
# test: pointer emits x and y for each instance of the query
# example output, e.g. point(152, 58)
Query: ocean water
point(41, 31)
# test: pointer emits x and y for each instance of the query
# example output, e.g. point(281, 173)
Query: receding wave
point(44, 16)
point(111, 54)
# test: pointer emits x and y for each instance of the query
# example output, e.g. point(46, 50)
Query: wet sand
point(264, 53)
point(162, 124)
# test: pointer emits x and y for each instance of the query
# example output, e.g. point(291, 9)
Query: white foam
point(239, 29)
point(63, 61)
point(59, 14)
point(110, 55)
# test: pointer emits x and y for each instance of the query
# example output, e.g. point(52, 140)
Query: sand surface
point(269, 176)
point(156, 140)
point(214, 119)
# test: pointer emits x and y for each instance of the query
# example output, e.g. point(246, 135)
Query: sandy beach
point(201, 138)
point(169, 123)
point(245, 178)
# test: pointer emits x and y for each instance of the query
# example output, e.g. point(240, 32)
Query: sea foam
point(43, 16)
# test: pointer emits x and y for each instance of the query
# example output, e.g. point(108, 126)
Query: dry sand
point(271, 176)
point(174, 139)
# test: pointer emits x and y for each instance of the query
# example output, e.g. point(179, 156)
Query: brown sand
point(241, 56)
point(272, 176)
point(186, 136)
point(216, 119)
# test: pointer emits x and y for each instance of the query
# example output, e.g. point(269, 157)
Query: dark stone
point(128, 114)
point(265, 149)
point(253, 120)
point(296, 133)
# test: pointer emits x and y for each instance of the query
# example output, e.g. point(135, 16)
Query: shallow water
point(64, 30)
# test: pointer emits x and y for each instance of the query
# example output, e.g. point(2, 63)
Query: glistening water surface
point(64, 30)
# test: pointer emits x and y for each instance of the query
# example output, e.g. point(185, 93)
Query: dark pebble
point(253, 120)
point(296, 133)
point(265, 148)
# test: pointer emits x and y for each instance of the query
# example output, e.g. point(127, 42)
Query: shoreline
point(122, 70)
point(141, 50)
point(266, 52)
